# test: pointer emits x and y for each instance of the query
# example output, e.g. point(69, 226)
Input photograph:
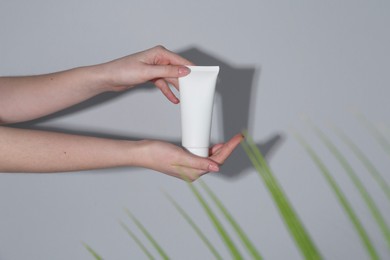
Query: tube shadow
point(235, 86)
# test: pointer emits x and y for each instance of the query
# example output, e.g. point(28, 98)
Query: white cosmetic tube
point(196, 101)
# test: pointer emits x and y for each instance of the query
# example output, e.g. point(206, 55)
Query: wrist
point(99, 78)
point(134, 153)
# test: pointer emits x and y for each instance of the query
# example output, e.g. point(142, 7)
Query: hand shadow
point(235, 87)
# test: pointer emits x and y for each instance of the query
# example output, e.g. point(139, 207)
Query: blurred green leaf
point(366, 162)
point(217, 224)
point(241, 234)
point(92, 252)
point(148, 235)
point(378, 136)
point(195, 227)
point(291, 219)
point(135, 238)
point(341, 198)
point(369, 201)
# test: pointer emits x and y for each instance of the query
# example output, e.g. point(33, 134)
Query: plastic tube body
point(196, 100)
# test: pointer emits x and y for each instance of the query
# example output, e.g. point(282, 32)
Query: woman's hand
point(157, 64)
point(175, 161)
point(24, 150)
point(29, 97)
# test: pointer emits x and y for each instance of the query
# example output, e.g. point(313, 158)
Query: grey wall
point(280, 62)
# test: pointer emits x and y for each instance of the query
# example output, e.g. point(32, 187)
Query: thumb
point(167, 71)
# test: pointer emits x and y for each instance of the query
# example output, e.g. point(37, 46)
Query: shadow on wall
point(236, 86)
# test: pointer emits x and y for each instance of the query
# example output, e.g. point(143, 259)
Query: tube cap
point(202, 152)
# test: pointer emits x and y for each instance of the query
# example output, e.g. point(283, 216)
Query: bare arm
point(30, 97)
point(26, 98)
point(39, 151)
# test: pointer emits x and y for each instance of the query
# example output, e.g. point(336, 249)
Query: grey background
point(281, 62)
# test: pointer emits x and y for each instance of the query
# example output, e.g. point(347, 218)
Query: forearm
point(39, 151)
point(30, 97)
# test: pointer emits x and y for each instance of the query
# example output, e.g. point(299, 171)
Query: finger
point(224, 152)
point(166, 71)
point(168, 57)
point(188, 174)
point(216, 148)
point(166, 90)
point(174, 82)
point(200, 163)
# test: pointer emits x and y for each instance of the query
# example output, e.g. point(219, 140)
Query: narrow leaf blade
point(92, 252)
point(137, 241)
point(148, 235)
point(195, 227)
point(291, 219)
point(378, 177)
point(369, 201)
point(241, 234)
point(341, 198)
point(217, 224)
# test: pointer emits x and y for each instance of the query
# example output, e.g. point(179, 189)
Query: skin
point(30, 97)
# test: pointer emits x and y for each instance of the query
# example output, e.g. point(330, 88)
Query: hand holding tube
point(25, 98)
point(175, 161)
point(157, 64)
point(29, 97)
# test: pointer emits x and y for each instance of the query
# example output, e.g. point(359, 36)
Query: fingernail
point(184, 71)
point(213, 168)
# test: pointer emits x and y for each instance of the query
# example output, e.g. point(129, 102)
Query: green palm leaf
point(217, 224)
point(92, 252)
point(148, 235)
point(366, 162)
point(369, 201)
point(195, 227)
point(291, 219)
point(378, 136)
point(241, 234)
point(341, 197)
point(139, 243)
